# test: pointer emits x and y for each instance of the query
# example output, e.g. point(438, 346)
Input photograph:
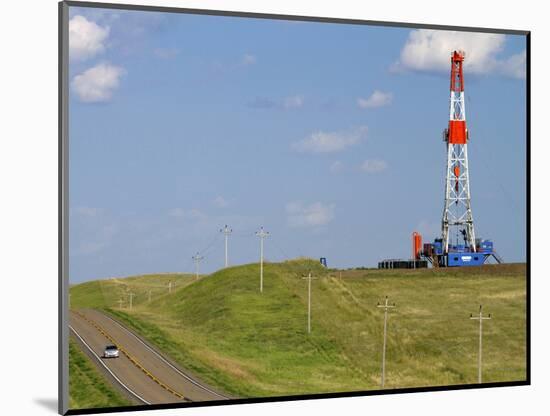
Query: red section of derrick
point(457, 80)
point(457, 132)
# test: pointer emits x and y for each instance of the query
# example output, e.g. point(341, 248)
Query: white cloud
point(288, 103)
point(294, 101)
point(377, 99)
point(262, 103)
point(221, 202)
point(193, 214)
point(336, 166)
point(176, 212)
point(430, 50)
point(327, 142)
point(166, 53)
point(314, 215)
point(86, 38)
point(87, 211)
point(97, 84)
point(196, 214)
point(515, 65)
point(248, 59)
point(237, 63)
point(373, 166)
point(102, 237)
point(90, 247)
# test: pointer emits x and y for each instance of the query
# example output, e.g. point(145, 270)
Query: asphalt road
point(140, 370)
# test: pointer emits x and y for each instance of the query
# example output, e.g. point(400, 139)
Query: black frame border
point(63, 150)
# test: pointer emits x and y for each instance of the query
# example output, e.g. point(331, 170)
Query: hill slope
point(253, 344)
point(107, 293)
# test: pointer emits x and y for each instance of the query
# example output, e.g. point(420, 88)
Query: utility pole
point(170, 286)
point(481, 318)
point(386, 306)
point(226, 231)
point(197, 258)
point(131, 298)
point(262, 234)
point(308, 277)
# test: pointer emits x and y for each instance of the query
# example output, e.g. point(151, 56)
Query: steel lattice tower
point(457, 212)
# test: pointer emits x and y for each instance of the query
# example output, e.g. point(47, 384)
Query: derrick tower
point(457, 225)
point(457, 245)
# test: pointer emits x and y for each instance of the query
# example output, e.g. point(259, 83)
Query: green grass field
point(252, 344)
point(87, 386)
point(107, 293)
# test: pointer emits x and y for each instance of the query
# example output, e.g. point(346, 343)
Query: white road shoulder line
point(107, 368)
point(166, 361)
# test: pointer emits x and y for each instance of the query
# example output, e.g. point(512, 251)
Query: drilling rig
point(458, 245)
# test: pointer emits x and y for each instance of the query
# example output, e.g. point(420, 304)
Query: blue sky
point(328, 135)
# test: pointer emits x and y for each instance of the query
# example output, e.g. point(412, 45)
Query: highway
point(141, 371)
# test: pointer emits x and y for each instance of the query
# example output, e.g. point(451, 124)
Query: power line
point(210, 244)
point(197, 258)
point(481, 318)
point(309, 277)
point(262, 234)
point(244, 233)
point(385, 306)
point(285, 255)
point(226, 231)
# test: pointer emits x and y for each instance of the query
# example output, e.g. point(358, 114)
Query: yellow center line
point(132, 359)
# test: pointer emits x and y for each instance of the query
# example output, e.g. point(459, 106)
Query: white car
point(111, 351)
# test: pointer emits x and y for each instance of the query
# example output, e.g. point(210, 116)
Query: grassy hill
point(107, 293)
point(252, 344)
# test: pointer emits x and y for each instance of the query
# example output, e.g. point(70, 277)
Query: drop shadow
point(49, 403)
